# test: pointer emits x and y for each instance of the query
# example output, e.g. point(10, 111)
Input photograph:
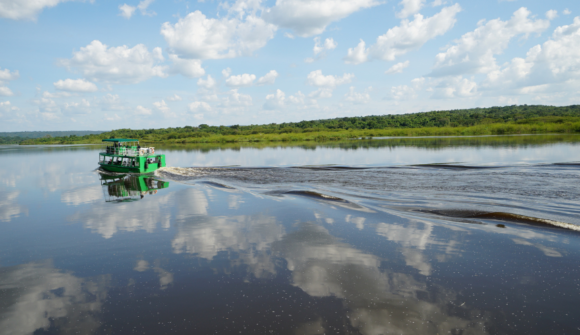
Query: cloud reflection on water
point(377, 297)
point(380, 301)
point(82, 195)
point(9, 208)
point(249, 236)
point(38, 296)
point(107, 220)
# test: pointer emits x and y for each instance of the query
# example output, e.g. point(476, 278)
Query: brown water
point(397, 236)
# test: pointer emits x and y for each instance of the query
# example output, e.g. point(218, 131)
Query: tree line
point(523, 114)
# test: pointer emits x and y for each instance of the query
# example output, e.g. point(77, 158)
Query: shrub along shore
point(479, 121)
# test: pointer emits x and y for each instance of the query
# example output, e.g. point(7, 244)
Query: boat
point(125, 188)
point(125, 155)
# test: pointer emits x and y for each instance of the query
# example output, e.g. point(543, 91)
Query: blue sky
point(100, 65)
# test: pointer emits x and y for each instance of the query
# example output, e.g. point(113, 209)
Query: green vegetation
point(514, 141)
point(11, 139)
point(478, 121)
point(20, 136)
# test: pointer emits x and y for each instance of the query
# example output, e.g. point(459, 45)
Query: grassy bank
point(490, 121)
point(337, 135)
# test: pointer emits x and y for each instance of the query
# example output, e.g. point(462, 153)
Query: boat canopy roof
point(120, 140)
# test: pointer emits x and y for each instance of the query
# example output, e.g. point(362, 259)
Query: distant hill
point(39, 134)
point(20, 136)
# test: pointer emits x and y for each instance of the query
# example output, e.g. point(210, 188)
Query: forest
point(19, 136)
point(524, 119)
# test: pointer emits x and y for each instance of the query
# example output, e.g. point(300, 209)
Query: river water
point(477, 235)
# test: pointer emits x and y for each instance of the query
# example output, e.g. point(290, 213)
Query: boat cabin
point(125, 155)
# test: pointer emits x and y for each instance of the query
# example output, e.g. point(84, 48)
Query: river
point(447, 235)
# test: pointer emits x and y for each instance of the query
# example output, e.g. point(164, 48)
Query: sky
point(102, 64)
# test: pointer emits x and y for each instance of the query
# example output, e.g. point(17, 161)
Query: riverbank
point(538, 127)
point(477, 121)
point(323, 136)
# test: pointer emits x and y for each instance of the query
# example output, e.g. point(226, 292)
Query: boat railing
point(133, 152)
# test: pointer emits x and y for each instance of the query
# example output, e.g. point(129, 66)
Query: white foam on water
point(186, 172)
point(549, 222)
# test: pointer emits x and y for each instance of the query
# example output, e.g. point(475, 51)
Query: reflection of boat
point(129, 188)
point(127, 156)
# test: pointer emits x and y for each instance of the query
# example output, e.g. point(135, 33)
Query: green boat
point(125, 155)
point(123, 188)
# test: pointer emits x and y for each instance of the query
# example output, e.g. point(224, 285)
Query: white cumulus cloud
point(358, 54)
point(321, 93)
point(356, 97)
point(226, 72)
point(75, 85)
point(6, 106)
point(197, 106)
point(174, 97)
point(127, 11)
point(190, 68)
point(208, 83)
point(410, 7)
point(320, 49)
point(199, 37)
point(242, 80)
point(404, 92)
point(275, 101)
point(6, 76)
point(246, 79)
point(25, 9)
point(236, 99)
point(279, 100)
point(408, 36)
point(556, 61)
point(311, 17)
point(401, 93)
point(454, 87)
point(143, 5)
point(140, 110)
point(398, 68)
point(163, 108)
point(111, 102)
point(552, 14)
point(5, 92)
point(120, 65)
point(474, 52)
point(329, 44)
point(316, 78)
point(268, 79)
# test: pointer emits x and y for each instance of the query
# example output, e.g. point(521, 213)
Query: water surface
point(471, 235)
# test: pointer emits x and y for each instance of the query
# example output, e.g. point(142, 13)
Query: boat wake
point(542, 195)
